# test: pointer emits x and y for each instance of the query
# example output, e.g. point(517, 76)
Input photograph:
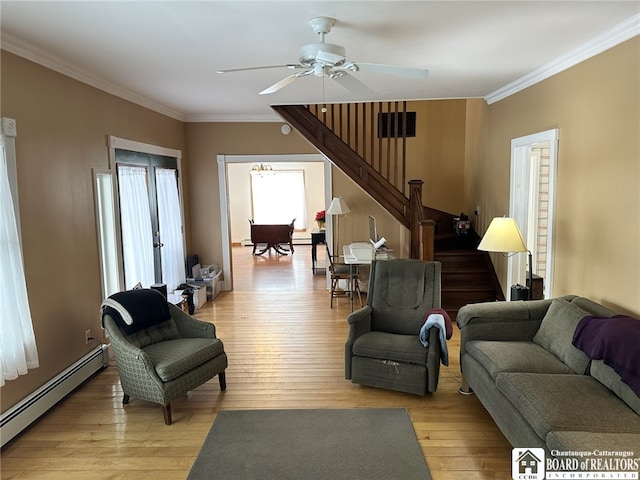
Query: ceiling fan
point(329, 59)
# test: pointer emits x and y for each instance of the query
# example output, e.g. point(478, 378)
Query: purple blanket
point(615, 340)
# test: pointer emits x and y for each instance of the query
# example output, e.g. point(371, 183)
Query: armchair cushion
point(398, 348)
point(173, 358)
point(160, 332)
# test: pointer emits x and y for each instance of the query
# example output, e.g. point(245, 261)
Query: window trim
point(8, 129)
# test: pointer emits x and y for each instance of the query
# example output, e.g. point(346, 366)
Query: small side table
point(317, 238)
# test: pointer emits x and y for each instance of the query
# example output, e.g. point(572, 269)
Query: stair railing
point(367, 141)
point(376, 131)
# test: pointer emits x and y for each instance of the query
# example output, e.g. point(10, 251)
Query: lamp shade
point(338, 207)
point(503, 235)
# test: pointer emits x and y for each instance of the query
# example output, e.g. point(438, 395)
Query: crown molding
point(23, 49)
point(232, 118)
point(618, 34)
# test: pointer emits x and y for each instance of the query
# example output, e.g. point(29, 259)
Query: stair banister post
point(416, 215)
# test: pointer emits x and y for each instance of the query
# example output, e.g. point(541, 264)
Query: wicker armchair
point(161, 352)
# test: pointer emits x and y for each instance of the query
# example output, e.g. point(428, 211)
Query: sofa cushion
point(610, 379)
point(175, 357)
point(391, 346)
point(550, 402)
point(556, 333)
point(528, 357)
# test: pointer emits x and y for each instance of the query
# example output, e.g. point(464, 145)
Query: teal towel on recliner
point(437, 321)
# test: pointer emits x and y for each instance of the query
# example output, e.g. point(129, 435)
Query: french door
point(150, 220)
point(139, 217)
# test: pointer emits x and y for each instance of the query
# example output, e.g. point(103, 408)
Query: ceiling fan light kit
point(323, 59)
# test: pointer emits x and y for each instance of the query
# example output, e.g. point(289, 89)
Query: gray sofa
point(518, 358)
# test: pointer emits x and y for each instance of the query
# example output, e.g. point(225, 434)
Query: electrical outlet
point(87, 336)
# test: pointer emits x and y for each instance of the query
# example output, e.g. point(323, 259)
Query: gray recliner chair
point(383, 348)
point(161, 352)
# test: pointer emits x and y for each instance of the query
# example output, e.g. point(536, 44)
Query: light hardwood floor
point(286, 350)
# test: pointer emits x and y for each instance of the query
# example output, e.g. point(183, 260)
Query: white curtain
point(170, 220)
point(279, 197)
point(17, 342)
point(135, 220)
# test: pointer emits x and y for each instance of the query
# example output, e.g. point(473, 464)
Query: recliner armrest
point(361, 318)
point(359, 324)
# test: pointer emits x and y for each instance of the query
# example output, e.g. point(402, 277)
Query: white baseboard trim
point(27, 411)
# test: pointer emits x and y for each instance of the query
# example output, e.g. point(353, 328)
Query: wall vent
point(396, 125)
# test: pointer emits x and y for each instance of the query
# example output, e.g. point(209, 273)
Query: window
point(18, 350)
point(278, 197)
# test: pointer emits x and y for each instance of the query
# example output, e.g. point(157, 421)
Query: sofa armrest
point(517, 321)
point(191, 327)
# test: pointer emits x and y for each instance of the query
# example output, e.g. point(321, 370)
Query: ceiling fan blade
point(278, 85)
point(243, 69)
point(392, 70)
point(352, 84)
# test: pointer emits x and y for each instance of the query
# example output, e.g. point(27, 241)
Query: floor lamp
point(503, 235)
point(338, 207)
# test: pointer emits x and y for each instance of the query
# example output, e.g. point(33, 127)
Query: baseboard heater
point(27, 411)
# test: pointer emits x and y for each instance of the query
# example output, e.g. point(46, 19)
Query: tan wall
point(595, 105)
point(62, 126)
point(205, 142)
point(355, 225)
point(437, 153)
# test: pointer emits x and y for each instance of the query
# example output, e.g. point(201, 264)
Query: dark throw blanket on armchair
point(615, 340)
point(135, 310)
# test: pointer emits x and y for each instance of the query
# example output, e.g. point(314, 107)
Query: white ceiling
point(164, 55)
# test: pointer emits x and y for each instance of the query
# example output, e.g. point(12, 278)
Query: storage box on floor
point(206, 288)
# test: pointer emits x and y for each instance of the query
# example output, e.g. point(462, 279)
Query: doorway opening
point(532, 204)
point(224, 164)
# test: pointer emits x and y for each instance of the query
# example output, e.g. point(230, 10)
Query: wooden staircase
point(468, 275)
point(348, 135)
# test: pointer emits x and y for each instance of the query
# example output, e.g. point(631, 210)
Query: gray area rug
point(366, 444)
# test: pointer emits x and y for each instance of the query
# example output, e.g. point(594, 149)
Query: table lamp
point(503, 235)
point(338, 207)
